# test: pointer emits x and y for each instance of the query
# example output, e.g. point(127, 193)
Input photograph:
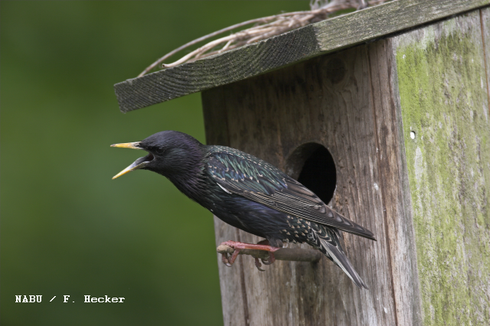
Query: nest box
point(384, 113)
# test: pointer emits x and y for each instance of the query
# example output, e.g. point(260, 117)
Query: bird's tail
point(327, 241)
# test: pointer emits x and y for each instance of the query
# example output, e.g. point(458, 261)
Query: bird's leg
point(268, 261)
point(237, 246)
point(242, 245)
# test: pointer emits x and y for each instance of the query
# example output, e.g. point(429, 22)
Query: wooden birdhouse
point(384, 113)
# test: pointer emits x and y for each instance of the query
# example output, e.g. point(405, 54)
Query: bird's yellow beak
point(133, 145)
point(138, 164)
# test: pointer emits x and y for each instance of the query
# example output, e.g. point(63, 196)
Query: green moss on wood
point(443, 96)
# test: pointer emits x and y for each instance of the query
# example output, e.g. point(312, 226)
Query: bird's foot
point(267, 261)
point(237, 246)
point(227, 260)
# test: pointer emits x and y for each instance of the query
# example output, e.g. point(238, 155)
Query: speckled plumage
point(249, 193)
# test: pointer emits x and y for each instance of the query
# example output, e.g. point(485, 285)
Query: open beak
point(138, 164)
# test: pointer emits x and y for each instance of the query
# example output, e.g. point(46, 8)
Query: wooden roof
point(279, 51)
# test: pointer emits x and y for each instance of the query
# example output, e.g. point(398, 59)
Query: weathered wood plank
point(389, 18)
point(349, 132)
point(327, 100)
point(217, 70)
point(485, 25)
point(232, 284)
point(394, 184)
point(446, 131)
point(276, 52)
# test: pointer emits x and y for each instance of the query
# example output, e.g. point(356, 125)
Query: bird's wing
point(245, 175)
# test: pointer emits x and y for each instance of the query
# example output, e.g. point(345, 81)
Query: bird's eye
point(159, 151)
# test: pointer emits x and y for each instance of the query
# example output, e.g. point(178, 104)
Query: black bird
point(248, 193)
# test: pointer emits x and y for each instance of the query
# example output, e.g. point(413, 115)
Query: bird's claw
point(269, 260)
point(225, 260)
point(259, 265)
point(231, 260)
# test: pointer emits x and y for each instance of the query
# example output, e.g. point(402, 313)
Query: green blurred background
point(66, 227)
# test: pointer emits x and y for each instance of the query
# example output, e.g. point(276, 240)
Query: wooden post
point(406, 120)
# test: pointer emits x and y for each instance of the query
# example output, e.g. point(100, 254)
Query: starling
point(248, 193)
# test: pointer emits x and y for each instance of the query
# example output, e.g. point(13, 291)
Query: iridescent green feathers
point(245, 175)
point(246, 172)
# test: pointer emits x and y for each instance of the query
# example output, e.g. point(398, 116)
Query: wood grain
point(285, 49)
point(446, 131)
point(394, 184)
point(485, 27)
point(233, 293)
point(406, 120)
point(327, 100)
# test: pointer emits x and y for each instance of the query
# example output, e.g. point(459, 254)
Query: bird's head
point(169, 153)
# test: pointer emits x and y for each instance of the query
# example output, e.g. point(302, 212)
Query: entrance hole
point(313, 166)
